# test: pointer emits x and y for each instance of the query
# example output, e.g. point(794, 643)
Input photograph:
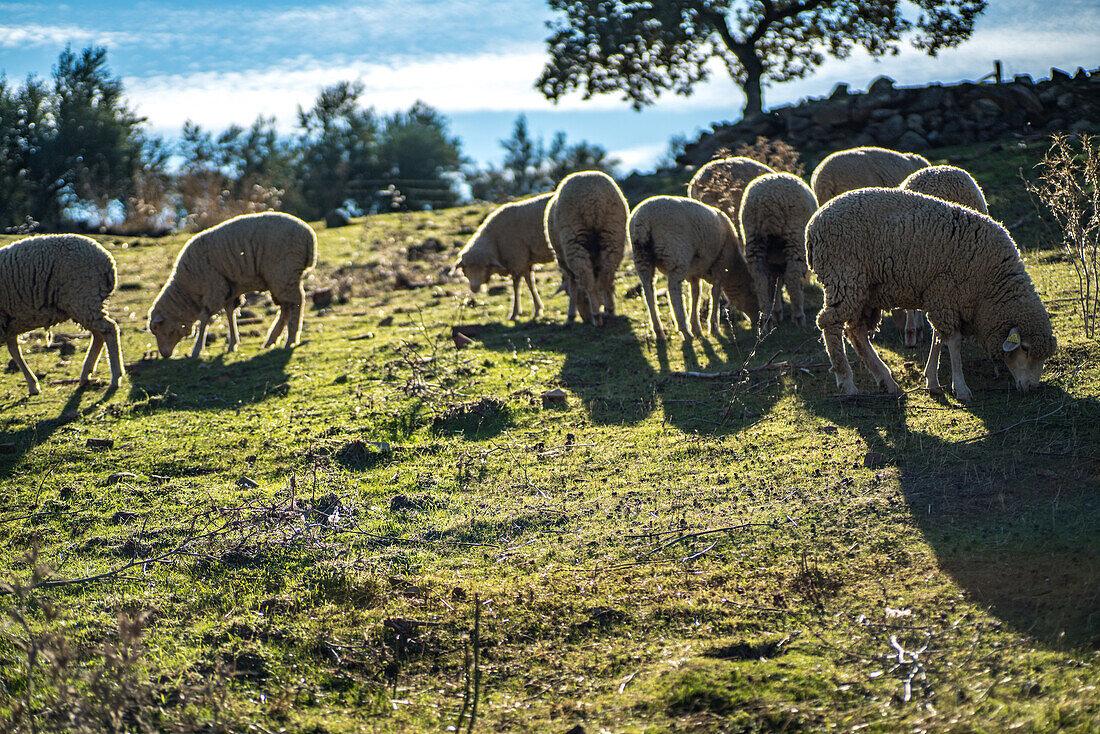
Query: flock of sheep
point(880, 229)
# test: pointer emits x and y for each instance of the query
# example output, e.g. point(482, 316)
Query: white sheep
point(774, 211)
point(253, 252)
point(722, 181)
point(859, 168)
point(48, 279)
point(509, 242)
point(586, 227)
point(950, 184)
point(879, 248)
point(688, 240)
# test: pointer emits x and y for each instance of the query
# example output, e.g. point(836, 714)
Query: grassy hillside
point(361, 533)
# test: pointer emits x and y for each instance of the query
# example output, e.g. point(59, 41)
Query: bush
point(1068, 190)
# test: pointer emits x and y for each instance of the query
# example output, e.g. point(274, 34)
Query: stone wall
point(912, 119)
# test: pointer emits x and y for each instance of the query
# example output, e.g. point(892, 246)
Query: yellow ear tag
point(1012, 341)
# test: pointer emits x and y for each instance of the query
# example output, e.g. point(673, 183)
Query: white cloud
point(57, 35)
point(639, 157)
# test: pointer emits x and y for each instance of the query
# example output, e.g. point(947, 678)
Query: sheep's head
point(478, 273)
point(169, 332)
point(1025, 354)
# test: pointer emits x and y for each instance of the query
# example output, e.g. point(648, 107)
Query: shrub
point(1068, 190)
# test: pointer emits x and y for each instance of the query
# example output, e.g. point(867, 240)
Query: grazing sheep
point(774, 211)
point(509, 242)
point(721, 183)
point(586, 226)
point(47, 279)
point(860, 168)
point(688, 240)
point(252, 252)
point(950, 184)
point(878, 248)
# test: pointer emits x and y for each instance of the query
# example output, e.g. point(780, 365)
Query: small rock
point(120, 476)
point(246, 483)
point(873, 460)
point(159, 479)
point(578, 729)
point(386, 321)
point(828, 429)
point(471, 330)
point(557, 396)
point(323, 297)
point(461, 340)
point(100, 443)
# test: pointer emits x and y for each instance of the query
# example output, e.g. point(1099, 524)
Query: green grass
point(399, 479)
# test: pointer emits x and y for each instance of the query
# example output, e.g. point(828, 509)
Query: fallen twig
point(1009, 428)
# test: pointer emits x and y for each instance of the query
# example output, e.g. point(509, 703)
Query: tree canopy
point(644, 48)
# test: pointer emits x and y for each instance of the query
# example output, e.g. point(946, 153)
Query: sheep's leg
point(932, 368)
point(570, 290)
point(104, 333)
point(32, 381)
point(715, 294)
point(676, 297)
point(793, 279)
point(537, 308)
point(94, 350)
point(607, 284)
point(200, 338)
point(762, 283)
point(586, 295)
point(696, 327)
point(914, 325)
point(860, 339)
point(233, 338)
point(516, 309)
point(646, 276)
point(958, 384)
point(832, 326)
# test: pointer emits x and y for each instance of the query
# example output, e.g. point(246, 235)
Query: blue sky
point(219, 63)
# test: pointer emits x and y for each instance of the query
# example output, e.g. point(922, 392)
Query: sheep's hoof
point(848, 387)
point(32, 391)
point(935, 389)
point(799, 319)
point(963, 395)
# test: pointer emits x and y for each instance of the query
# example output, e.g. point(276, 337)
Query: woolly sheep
point(950, 184)
point(688, 240)
point(859, 168)
point(48, 279)
point(509, 242)
point(253, 252)
point(774, 211)
point(721, 183)
point(586, 226)
point(876, 248)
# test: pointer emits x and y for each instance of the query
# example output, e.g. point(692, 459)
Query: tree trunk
point(751, 86)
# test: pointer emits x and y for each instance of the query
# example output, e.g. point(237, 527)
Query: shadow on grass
point(196, 384)
point(1013, 515)
point(609, 369)
point(25, 439)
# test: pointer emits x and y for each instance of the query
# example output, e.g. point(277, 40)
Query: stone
point(840, 91)
point(337, 218)
point(873, 460)
point(557, 396)
point(928, 99)
point(911, 141)
point(881, 85)
point(100, 443)
point(915, 123)
point(1026, 99)
point(1066, 101)
point(1057, 75)
point(890, 130)
point(1023, 79)
point(984, 107)
point(830, 113)
point(1081, 126)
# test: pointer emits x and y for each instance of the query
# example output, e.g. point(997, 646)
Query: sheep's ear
point(157, 319)
point(1012, 341)
point(496, 264)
